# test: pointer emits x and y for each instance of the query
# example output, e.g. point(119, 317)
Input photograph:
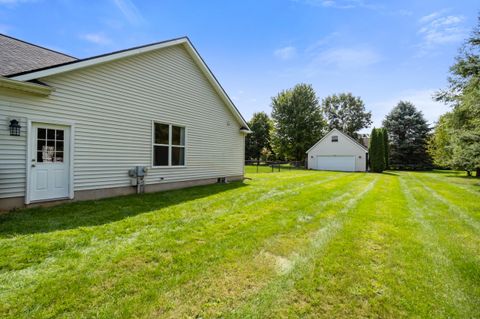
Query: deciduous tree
point(346, 113)
point(259, 140)
point(456, 140)
point(297, 120)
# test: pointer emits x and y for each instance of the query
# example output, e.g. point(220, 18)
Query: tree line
point(298, 120)
point(455, 142)
point(405, 141)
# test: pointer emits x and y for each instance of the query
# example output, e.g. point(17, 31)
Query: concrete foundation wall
point(7, 204)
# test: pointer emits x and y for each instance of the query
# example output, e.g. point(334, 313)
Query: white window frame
point(170, 145)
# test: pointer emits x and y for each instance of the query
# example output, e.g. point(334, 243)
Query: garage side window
point(168, 145)
point(334, 138)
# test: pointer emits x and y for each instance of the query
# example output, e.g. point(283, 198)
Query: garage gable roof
point(96, 60)
point(349, 138)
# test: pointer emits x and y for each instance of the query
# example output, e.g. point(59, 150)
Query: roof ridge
point(38, 46)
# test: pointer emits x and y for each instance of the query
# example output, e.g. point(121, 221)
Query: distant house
point(73, 129)
point(337, 151)
point(364, 139)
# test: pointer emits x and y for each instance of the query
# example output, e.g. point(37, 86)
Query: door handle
point(33, 165)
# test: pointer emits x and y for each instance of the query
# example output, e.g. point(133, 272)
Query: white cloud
point(129, 10)
point(345, 58)
point(440, 29)
point(431, 16)
point(344, 4)
point(322, 42)
point(356, 4)
point(337, 4)
point(14, 2)
point(97, 38)
point(285, 53)
point(422, 99)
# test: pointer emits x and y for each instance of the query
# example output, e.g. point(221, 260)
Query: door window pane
point(160, 155)
point(47, 154)
point(41, 144)
point(178, 135)
point(50, 145)
point(59, 146)
point(178, 156)
point(42, 133)
point(51, 134)
point(59, 135)
point(161, 133)
point(58, 157)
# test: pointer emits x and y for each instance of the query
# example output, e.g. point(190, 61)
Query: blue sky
point(382, 51)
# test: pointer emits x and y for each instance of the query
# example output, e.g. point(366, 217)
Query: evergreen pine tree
point(385, 146)
point(376, 151)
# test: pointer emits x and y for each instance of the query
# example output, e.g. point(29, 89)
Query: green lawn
point(291, 244)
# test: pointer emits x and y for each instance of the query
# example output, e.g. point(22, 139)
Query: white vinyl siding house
point(337, 151)
point(111, 110)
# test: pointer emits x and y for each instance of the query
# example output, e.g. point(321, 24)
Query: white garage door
point(336, 163)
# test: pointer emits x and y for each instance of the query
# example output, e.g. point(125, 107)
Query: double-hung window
point(168, 145)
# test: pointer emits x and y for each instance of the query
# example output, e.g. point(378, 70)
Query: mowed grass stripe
point(335, 283)
point(276, 293)
point(44, 244)
point(100, 247)
point(279, 254)
point(235, 239)
point(452, 222)
point(290, 244)
point(461, 213)
point(453, 273)
point(454, 179)
point(453, 195)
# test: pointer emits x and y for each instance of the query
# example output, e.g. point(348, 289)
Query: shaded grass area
point(253, 169)
point(302, 244)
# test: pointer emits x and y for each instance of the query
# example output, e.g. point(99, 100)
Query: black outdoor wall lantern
point(14, 128)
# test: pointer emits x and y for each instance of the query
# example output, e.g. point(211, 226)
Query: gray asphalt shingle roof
point(18, 56)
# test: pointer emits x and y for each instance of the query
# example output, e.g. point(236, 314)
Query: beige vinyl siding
point(113, 106)
point(12, 153)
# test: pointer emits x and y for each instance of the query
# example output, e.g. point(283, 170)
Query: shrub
point(377, 151)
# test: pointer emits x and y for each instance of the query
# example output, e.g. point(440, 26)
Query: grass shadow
point(99, 212)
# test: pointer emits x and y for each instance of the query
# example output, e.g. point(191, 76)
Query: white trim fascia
point(127, 53)
point(63, 122)
point(94, 61)
point(25, 86)
point(71, 186)
point(340, 132)
point(244, 131)
point(214, 82)
point(28, 161)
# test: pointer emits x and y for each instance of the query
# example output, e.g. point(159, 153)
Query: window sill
point(171, 166)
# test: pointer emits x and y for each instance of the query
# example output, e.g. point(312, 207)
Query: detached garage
point(337, 151)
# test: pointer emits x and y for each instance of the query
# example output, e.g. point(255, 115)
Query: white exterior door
point(50, 167)
point(336, 163)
